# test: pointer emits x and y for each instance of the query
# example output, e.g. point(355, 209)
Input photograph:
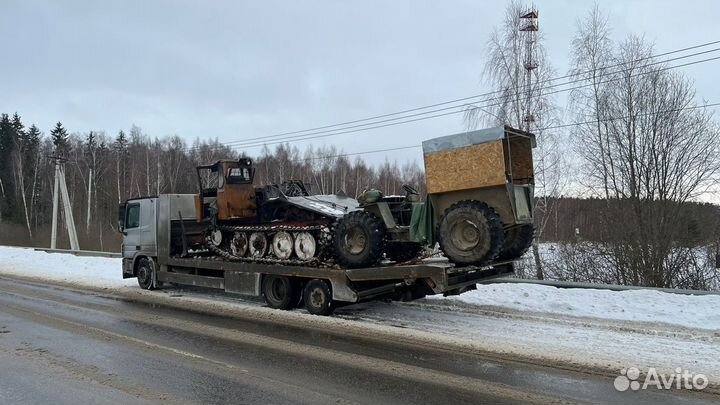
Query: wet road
point(65, 346)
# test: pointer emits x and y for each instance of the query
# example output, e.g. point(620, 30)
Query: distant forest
point(103, 170)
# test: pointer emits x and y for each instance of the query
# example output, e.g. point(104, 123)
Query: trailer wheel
point(280, 292)
point(145, 273)
point(318, 298)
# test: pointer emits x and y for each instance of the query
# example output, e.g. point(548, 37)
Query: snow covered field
point(579, 328)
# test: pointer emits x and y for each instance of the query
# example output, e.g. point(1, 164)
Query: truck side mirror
point(121, 217)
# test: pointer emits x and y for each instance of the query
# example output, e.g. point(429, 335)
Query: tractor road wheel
point(359, 240)
point(146, 273)
point(280, 292)
point(470, 233)
point(517, 242)
point(318, 298)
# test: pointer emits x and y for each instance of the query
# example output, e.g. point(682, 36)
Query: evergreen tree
point(17, 126)
point(59, 138)
point(7, 144)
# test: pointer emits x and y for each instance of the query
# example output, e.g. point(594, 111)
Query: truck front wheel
point(146, 273)
point(318, 298)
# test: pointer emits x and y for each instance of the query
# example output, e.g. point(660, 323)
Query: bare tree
point(648, 150)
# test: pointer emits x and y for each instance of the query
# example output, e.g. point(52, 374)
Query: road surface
point(66, 346)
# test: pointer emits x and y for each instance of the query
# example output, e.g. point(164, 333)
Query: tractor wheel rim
point(465, 235)
point(356, 241)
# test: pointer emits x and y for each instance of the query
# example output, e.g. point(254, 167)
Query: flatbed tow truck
point(162, 218)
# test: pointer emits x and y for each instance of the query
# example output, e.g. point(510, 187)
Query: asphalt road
point(65, 346)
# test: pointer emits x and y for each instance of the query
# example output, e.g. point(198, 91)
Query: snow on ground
point(692, 311)
point(82, 270)
point(579, 328)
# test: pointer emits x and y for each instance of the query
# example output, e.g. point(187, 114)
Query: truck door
point(139, 229)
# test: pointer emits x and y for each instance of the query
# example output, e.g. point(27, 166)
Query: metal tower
point(529, 26)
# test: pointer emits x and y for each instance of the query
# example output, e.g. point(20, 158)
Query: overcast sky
point(243, 69)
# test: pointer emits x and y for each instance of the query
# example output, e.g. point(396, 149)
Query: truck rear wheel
point(359, 240)
point(318, 298)
point(280, 292)
point(145, 273)
point(470, 233)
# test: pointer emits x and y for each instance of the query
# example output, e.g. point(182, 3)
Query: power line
point(364, 128)
point(548, 128)
point(246, 141)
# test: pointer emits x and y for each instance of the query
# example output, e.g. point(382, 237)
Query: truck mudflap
point(127, 268)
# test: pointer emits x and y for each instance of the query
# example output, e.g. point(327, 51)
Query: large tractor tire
point(470, 233)
point(517, 241)
point(359, 240)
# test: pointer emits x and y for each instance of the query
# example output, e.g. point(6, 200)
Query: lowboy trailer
point(158, 249)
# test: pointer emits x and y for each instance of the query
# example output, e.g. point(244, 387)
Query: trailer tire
point(145, 273)
point(317, 297)
point(279, 292)
point(470, 233)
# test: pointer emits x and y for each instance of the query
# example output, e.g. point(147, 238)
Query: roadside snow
point(692, 311)
point(81, 270)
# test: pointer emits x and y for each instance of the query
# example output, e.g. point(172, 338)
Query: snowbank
point(94, 271)
point(691, 311)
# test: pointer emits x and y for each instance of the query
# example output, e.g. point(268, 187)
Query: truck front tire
point(145, 273)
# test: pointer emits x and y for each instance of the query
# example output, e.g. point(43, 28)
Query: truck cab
point(137, 222)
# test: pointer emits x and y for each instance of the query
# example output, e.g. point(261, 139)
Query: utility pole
point(60, 191)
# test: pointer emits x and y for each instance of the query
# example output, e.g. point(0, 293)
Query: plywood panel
point(464, 168)
point(519, 158)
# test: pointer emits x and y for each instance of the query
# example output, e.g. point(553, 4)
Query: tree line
point(102, 171)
